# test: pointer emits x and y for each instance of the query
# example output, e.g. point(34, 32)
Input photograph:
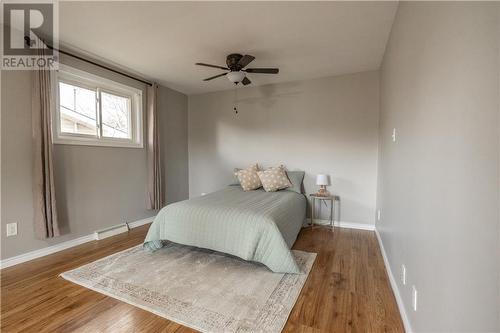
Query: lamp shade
point(235, 77)
point(322, 180)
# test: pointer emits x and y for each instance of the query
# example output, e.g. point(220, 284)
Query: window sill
point(83, 142)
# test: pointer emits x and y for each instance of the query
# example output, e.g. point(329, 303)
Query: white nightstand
point(330, 198)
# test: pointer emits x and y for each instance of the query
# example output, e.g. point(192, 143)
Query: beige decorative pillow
point(249, 180)
point(274, 179)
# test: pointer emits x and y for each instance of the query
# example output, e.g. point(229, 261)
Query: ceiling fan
point(236, 64)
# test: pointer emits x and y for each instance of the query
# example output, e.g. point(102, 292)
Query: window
point(91, 110)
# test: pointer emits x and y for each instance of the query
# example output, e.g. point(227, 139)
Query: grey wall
point(96, 187)
point(327, 125)
point(439, 183)
point(173, 143)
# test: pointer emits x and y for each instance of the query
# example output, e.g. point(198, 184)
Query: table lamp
point(323, 181)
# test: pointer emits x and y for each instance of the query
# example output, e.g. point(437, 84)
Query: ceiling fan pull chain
point(235, 106)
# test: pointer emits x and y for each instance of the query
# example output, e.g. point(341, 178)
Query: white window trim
point(85, 79)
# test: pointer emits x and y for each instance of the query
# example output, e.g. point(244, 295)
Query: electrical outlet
point(378, 215)
point(403, 274)
point(394, 133)
point(11, 229)
point(414, 298)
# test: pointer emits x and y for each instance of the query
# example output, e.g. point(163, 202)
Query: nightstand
point(331, 198)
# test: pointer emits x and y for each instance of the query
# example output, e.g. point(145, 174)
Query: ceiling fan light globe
point(236, 76)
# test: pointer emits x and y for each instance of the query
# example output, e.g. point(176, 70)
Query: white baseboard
point(343, 224)
point(45, 251)
point(62, 246)
point(138, 223)
point(394, 285)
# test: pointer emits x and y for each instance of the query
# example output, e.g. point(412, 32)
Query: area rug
point(205, 290)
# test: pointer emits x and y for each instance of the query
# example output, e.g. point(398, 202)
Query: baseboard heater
point(111, 231)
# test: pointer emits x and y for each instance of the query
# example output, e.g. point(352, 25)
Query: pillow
point(249, 180)
point(296, 178)
point(274, 179)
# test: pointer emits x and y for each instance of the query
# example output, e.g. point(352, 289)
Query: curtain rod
point(28, 41)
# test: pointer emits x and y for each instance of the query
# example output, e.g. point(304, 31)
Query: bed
point(255, 225)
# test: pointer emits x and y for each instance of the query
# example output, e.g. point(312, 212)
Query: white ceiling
point(163, 40)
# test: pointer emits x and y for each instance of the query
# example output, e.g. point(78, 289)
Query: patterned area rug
point(201, 289)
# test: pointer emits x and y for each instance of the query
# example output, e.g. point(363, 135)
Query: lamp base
point(322, 192)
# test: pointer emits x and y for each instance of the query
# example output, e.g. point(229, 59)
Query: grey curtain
point(45, 214)
point(155, 191)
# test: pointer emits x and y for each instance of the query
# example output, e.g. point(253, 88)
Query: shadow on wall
point(267, 97)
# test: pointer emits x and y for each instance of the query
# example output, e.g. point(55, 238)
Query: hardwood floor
point(347, 290)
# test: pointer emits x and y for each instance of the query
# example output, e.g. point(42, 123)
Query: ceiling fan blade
point(263, 70)
point(246, 81)
point(214, 77)
point(213, 66)
point(245, 60)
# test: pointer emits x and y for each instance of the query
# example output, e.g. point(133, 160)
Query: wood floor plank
point(347, 290)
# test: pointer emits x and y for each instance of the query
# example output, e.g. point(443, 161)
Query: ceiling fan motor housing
point(232, 61)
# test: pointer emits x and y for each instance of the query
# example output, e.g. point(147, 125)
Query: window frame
point(76, 77)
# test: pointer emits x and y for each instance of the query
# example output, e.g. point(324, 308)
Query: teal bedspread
point(255, 225)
